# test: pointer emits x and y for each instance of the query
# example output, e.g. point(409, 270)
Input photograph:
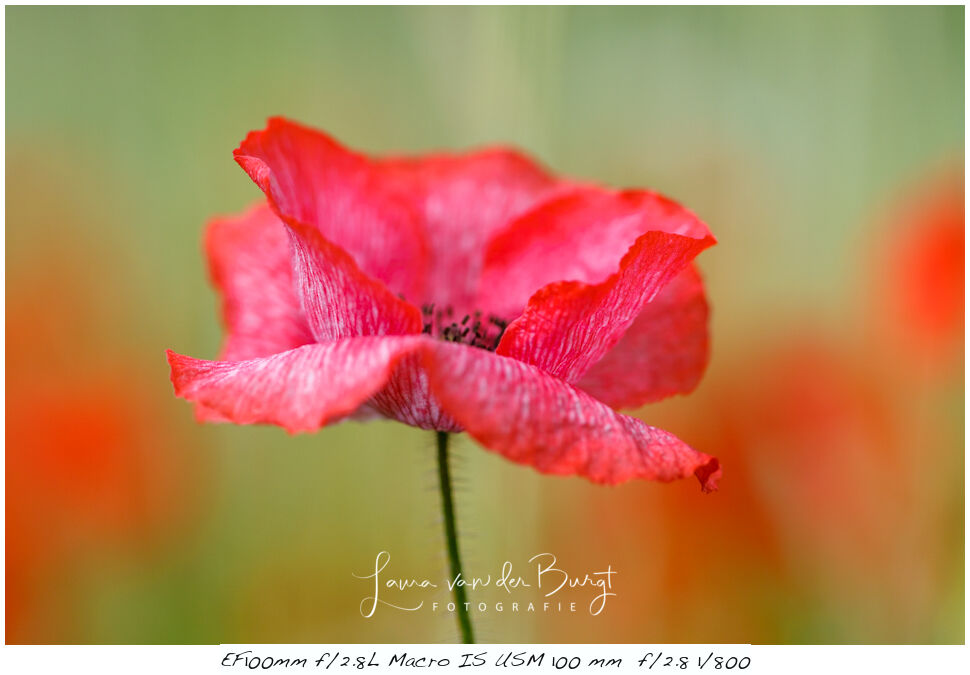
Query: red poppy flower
point(431, 291)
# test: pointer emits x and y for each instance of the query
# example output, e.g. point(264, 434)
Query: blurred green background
point(809, 139)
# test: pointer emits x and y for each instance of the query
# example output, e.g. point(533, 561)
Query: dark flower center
point(473, 330)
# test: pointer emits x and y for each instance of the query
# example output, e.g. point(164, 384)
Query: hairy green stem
point(451, 539)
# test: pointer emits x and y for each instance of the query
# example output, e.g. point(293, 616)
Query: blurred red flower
point(921, 270)
point(84, 471)
point(819, 494)
point(324, 322)
point(85, 466)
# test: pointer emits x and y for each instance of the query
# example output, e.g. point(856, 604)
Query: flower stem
point(451, 539)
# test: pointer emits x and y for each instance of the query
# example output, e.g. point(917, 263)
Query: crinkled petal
point(578, 236)
point(532, 418)
point(515, 409)
point(568, 326)
point(663, 352)
point(408, 398)
point(464, 199)
point(301, 390)
point(419, 224)
point(249, 263)
point(338, 299)
point(310, 178)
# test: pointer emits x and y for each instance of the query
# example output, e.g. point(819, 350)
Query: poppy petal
point(249, 263)
point(338, 299)
point(577, 236)
point(533, 418)
point(464, 199)
point(664, 351)
point(407, 397)
point(310, 178)
point(568, 326)
point(515, 409)
point(300, 390)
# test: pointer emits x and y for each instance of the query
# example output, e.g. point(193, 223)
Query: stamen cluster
point(473, 330)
